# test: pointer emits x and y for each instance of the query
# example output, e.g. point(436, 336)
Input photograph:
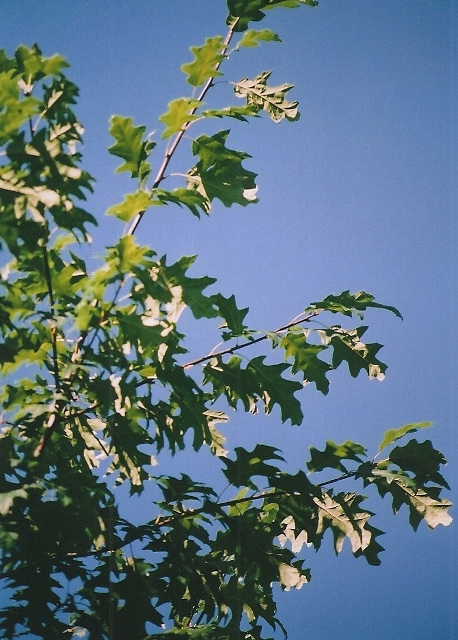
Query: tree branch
point(49, 286)
point(54, 418)
point(166, 521)
point(170, 152)
point(249, 343)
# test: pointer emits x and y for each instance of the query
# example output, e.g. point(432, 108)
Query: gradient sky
point(359, 194)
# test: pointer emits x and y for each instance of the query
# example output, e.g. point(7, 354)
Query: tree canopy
point(98, 380)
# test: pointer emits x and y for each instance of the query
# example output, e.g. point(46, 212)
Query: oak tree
point(98, 382)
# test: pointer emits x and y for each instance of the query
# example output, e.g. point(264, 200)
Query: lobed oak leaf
point(206, 58)
point(271, 99)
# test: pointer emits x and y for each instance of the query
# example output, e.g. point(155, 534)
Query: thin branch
point(49, 286)
point(82, 412)
point(166, 521)
point(344, 476)
point(249, 343)
point(54, 418)
point(170, 152)
point(237, 347)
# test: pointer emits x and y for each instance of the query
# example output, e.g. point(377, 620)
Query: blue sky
point(359, 194)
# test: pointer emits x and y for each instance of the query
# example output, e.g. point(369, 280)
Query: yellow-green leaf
point(132, 204)
point(181, 111)
point(206, 59)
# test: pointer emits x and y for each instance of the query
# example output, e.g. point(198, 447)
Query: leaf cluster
point(98, 385)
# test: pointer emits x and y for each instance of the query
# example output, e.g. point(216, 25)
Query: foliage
point(97, 384)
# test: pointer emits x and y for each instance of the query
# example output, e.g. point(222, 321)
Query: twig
point(166, 521)
point(53, 420)
point(49, 286)
point(169, 154)
point(248, 343)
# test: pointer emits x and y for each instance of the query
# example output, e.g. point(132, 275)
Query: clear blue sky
point(359, 194)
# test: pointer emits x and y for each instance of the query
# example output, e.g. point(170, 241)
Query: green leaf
point(6, 63)
point(195, 201)
point(358, 355)
point(34, 66)
point(191, 288)
point(334, 454)
point(343, 515)
point(127, 255)
point(306, 359)
point(422, 459)
point(181, 112)
point(132, 204)
point(248, 464)
point(350, 304)
point(426, 504)
point(14, 111)
point(206, 58)
point(290, 576)
point(242, 12)
point(233, 316)
point(278, 390)
point(291, 4)
point(256, 382)
point(7, 499)
point(219, 172)
point(271, 99)
point(253, 37)
point(240, 503)
point(395, 434)
point(129, 146)
point(423, 502)
point(239, 113)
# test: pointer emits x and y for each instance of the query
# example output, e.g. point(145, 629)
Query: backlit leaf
point(271, 99)
point(7, 499)
point(219, 172)
point(348, 347)
point(422, 459)
point(14, 111)
point(130, 146)
point(291, 577)
point(248, 464)
point(233, 316)
point(426, 504)
point(239, 113)
point(333, 455)
point(132, 204)
point(343, 515)
point(242, 12)
point(350, 304)
point(195, 201)
point(206, 58)
point(306, 359)
point(423, 502)
point(395, 434)
point(181, 111)
point(253, 37)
